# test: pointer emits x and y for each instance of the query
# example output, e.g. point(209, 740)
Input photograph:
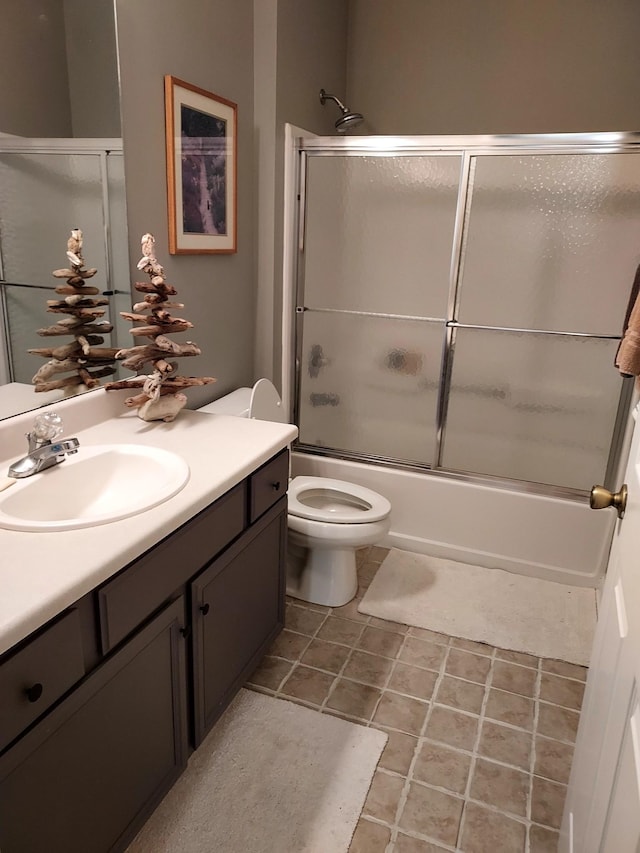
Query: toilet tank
point(237, 403)
point(261, 402)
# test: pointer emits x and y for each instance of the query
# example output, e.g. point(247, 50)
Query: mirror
point(61, 167)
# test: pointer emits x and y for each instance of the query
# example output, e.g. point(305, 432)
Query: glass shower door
point(375, 277)
point(552, 242)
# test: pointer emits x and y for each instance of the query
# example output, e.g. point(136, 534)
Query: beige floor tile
point(561, 691)
point(422, 653)
point(517, 657)
point(301, 620)
point(271, 673)
point(460, 694)
point(501, 743)
point(371, 669)
point(289, 645)
point(510, 708)
point(398, 752)
point(486, 831)
point(547, 802)
point(308, 684)
point(324, 655)
point(368, 570)
point(377, 553)
point(412, 680)
point(567, 670)
point(441, 766)
point(558, 723)
point(543, 840)
point(308, 605)
point(401, 712)
point(514, 678)
point(472, 646)
point(452, 727)
point(380, 642)
point(383, 797)
point(386, 625)
point(350, 611)
point(503, 787)
point(337, 630)
point(553, 759)
point(369, 837)
point(432, 813)
point(356, 700)
point(431, 636)
point(407, 844)
point(468, 666)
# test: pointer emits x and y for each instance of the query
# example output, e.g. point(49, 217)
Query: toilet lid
point(335, 501)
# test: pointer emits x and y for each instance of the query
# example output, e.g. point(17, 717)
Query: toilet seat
point(335, 501)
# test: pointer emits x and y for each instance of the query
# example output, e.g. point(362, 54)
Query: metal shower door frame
point(468, 147)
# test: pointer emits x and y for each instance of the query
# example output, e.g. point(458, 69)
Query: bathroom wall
point(208, 43)
point(428, 67)
point(300, 48)
point(37, 33)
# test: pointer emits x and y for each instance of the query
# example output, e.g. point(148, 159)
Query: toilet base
point(321, 575)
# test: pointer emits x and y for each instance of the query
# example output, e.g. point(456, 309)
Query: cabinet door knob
point(186, 632)
point(276, 486)
point(34, 692)
point(204, 609)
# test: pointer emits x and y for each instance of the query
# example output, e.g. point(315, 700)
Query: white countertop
point(43, 573)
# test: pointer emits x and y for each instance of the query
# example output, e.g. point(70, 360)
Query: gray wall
point(500, 66)
point(306, 51)
point(34, 92)
point(208, 43)
point(92, 62)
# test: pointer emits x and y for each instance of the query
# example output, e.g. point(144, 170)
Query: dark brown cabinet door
point(86, 777)
point(237, 609)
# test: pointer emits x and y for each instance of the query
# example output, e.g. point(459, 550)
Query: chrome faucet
point(44, 451)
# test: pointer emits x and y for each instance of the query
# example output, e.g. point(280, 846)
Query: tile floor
point(480, 739)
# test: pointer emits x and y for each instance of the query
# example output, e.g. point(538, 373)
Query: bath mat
point(271, 777)
point(510, 611)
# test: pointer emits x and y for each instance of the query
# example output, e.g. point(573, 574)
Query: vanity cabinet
point(137, 672)
point(85, 776)
point(237, 607)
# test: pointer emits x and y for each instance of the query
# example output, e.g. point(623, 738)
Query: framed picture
point(201, 138)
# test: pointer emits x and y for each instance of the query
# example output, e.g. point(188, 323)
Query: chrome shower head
point(347, 119)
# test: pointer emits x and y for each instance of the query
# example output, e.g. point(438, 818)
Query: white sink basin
point(96, 485)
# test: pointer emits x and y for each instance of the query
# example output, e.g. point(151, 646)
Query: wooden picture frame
point(201, 140)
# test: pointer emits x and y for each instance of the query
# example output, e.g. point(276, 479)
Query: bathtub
point(543, 537)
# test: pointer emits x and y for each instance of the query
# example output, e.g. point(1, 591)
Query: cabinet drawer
point(142, 587)
point(268, 484)
point(39, 673)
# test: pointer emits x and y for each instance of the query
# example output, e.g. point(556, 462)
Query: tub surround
point(44, 573)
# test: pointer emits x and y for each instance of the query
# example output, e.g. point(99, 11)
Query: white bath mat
point(506, 610)
point(271, 777)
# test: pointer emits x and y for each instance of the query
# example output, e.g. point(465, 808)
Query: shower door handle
point(600, 498)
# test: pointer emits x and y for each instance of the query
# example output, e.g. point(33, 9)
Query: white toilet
point(327, 519)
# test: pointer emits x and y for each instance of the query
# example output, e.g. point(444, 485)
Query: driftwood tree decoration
point(83, 357)
point(161, 397)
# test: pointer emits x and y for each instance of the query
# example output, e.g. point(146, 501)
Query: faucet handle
point(46, 427)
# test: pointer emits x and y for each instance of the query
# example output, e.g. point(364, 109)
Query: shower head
point(347, 119)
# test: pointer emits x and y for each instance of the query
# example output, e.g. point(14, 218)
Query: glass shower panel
point(26, 312)
point(369, 385)
point(42, 197)
point(379, 232)
point(531, 407)
point(552, 241)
